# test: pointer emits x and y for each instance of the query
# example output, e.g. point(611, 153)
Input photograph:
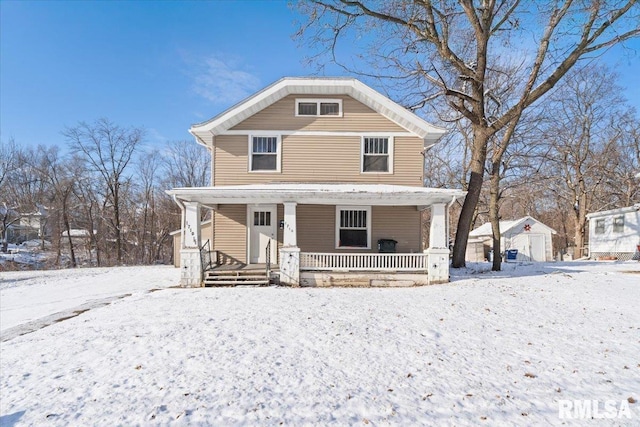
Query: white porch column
point(290, 237)
point(190, 261)
point(438, 252)
point(438, 231)
point(290, 252)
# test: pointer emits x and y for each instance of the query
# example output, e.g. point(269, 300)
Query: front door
point(262, 229)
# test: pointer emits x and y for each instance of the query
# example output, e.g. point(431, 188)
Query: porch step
point(235, 278)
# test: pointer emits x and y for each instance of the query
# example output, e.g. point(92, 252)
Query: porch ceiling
point(318, 194)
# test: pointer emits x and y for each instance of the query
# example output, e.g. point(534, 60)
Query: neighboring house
point(614, 233)
point(530, 237)
point(310, 173)
point(27, 226)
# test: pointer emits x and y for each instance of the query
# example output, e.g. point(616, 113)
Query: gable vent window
point(376, 154)
point(353, 227)
point(318, 107)
point(265, 154)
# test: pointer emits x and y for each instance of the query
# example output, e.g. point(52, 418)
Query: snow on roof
point(486, 229)
point(78, 232)
point(319, 193)
point(318, 86)
point(618, 211)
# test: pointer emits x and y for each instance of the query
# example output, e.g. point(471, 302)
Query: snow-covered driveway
point(483, 350)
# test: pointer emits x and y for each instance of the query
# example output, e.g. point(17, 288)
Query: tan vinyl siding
point(400, 223)
point(316, 228)
point(308, 158)
point(231, 234)
point(357, 117)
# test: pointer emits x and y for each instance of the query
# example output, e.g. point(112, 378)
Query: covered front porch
point(321, 234)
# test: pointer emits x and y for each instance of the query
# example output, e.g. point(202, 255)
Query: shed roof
point(486, 229)
point(318, 86)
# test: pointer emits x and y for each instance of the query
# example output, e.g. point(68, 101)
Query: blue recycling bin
point(512, 254)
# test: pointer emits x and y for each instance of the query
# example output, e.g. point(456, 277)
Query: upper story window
point(353, 227)
point(318, 107)
point(618, 224)
point(264, 154)
point(599, 226)
point(377, 154)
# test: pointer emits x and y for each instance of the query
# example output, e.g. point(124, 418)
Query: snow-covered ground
point(488, 349)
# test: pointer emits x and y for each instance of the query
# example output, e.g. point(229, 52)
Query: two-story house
point(310, 173)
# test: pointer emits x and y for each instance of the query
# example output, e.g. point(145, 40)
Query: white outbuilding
point(530, 237)
point(614, 233)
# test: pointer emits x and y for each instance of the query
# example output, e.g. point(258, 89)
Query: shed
point(614, 233)
point(530, 237)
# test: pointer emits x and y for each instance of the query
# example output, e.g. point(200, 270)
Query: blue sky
point(158, 65)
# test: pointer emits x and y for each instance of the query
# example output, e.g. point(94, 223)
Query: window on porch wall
point(353, 228)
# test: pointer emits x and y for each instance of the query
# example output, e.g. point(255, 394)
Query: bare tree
point(9, 163)
point(590, 137)
point(186, 164)
point(108, 149)
point(454, 49)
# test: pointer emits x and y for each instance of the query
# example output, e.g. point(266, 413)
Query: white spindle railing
point(363, 262)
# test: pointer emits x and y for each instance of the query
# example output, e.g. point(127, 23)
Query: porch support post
point(190, 261)
point(290, 252)
point(290, 237)
point(438, 252)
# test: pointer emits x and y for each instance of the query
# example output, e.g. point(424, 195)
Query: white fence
point(310, 261)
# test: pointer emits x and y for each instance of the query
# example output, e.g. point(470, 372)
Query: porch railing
point(363, 262)
point(205, 258)
point(268, 259)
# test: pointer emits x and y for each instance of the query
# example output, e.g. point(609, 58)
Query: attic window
point(318, 107)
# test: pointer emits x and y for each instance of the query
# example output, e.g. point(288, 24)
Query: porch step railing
point(363, 262)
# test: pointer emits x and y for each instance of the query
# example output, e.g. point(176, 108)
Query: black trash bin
point(387, 246)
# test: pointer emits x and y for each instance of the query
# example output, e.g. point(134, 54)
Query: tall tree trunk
point(494, 215)
point(580, 221)
point(480, 137)
point(65, 219)
point(116, 218)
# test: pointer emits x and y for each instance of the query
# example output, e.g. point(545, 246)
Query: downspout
point(182, 208)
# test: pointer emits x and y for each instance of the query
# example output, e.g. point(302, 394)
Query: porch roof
point(318, 194)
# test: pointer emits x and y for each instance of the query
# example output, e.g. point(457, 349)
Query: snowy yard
point(487, 349)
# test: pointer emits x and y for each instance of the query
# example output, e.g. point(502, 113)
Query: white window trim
point(337, 221)
point(391, 152)
point(600, 231)
point(278, 154)
point(318, 101)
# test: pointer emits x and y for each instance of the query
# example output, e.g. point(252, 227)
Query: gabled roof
point(318, 86)
point(487, 230)
point(619, 211)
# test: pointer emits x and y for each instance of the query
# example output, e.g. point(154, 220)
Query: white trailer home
point(615, 233)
